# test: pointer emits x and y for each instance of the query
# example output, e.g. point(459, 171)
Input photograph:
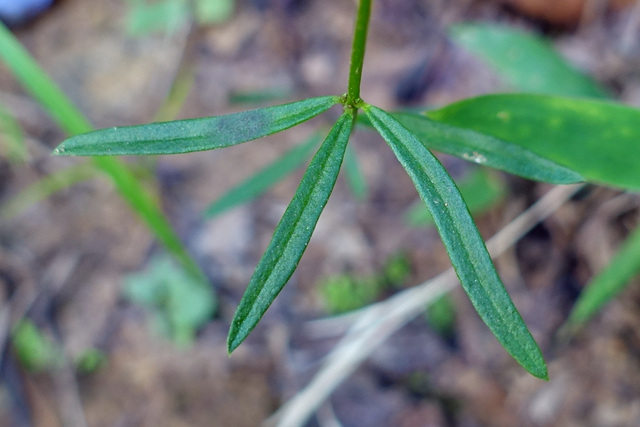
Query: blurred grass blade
point(608, 283)
point(52, 99)
point(180, 88)
point(597, 139)
point(45, 187)
point(39, 85)
point(264, 179)
point(185, 136)
point(462, 240)
point(480, 190)
point(528, 62)
point(486, 150)
point(355, 178)
point(12, 143)
point(292, 235)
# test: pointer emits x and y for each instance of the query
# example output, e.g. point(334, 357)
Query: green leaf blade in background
point(597, 139)
point(293, 233)
point(25, 69)
point(264, 179)
point(607, 283)
point(463, 242)
point(12, 141)
point(486, 150)
point(185, 136)
point(528, 62)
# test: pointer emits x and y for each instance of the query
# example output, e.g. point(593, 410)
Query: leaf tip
point(537, 368)
point(235, 338)
point(59, 151)
point(231, 345)
point(541, 372)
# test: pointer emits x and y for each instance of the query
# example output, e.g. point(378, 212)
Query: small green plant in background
point(347, 292)
point(441, 316)
point(37, 352)
point(545, 138)
point(178, 302)
point(34, 350)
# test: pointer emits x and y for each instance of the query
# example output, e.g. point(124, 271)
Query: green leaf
point(90, 361)
point(35, 351)
point(181, 303)
point(12, 143)
point(355, 178)
point(485, 150)
point(480, 190)
point(72, 121)
point(264, 179)
point(462, 240)
point(293, 233)
point(528, 62)
point(441, 315)
point(345, 292)
point(597, 139)
point(609, 282)
point(185, 136)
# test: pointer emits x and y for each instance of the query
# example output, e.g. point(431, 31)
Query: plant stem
point(357, 53)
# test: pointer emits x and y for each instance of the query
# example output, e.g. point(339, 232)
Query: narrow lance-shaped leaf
point(486, 150)
point(264, 179)
point(597, 139)
point(462, 240)
point(185, 136)
point(292, 235)
point(527, 61)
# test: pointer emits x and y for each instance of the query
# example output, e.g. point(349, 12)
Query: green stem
point(357, 53)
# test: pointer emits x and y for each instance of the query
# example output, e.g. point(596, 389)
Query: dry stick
point(384, 318)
